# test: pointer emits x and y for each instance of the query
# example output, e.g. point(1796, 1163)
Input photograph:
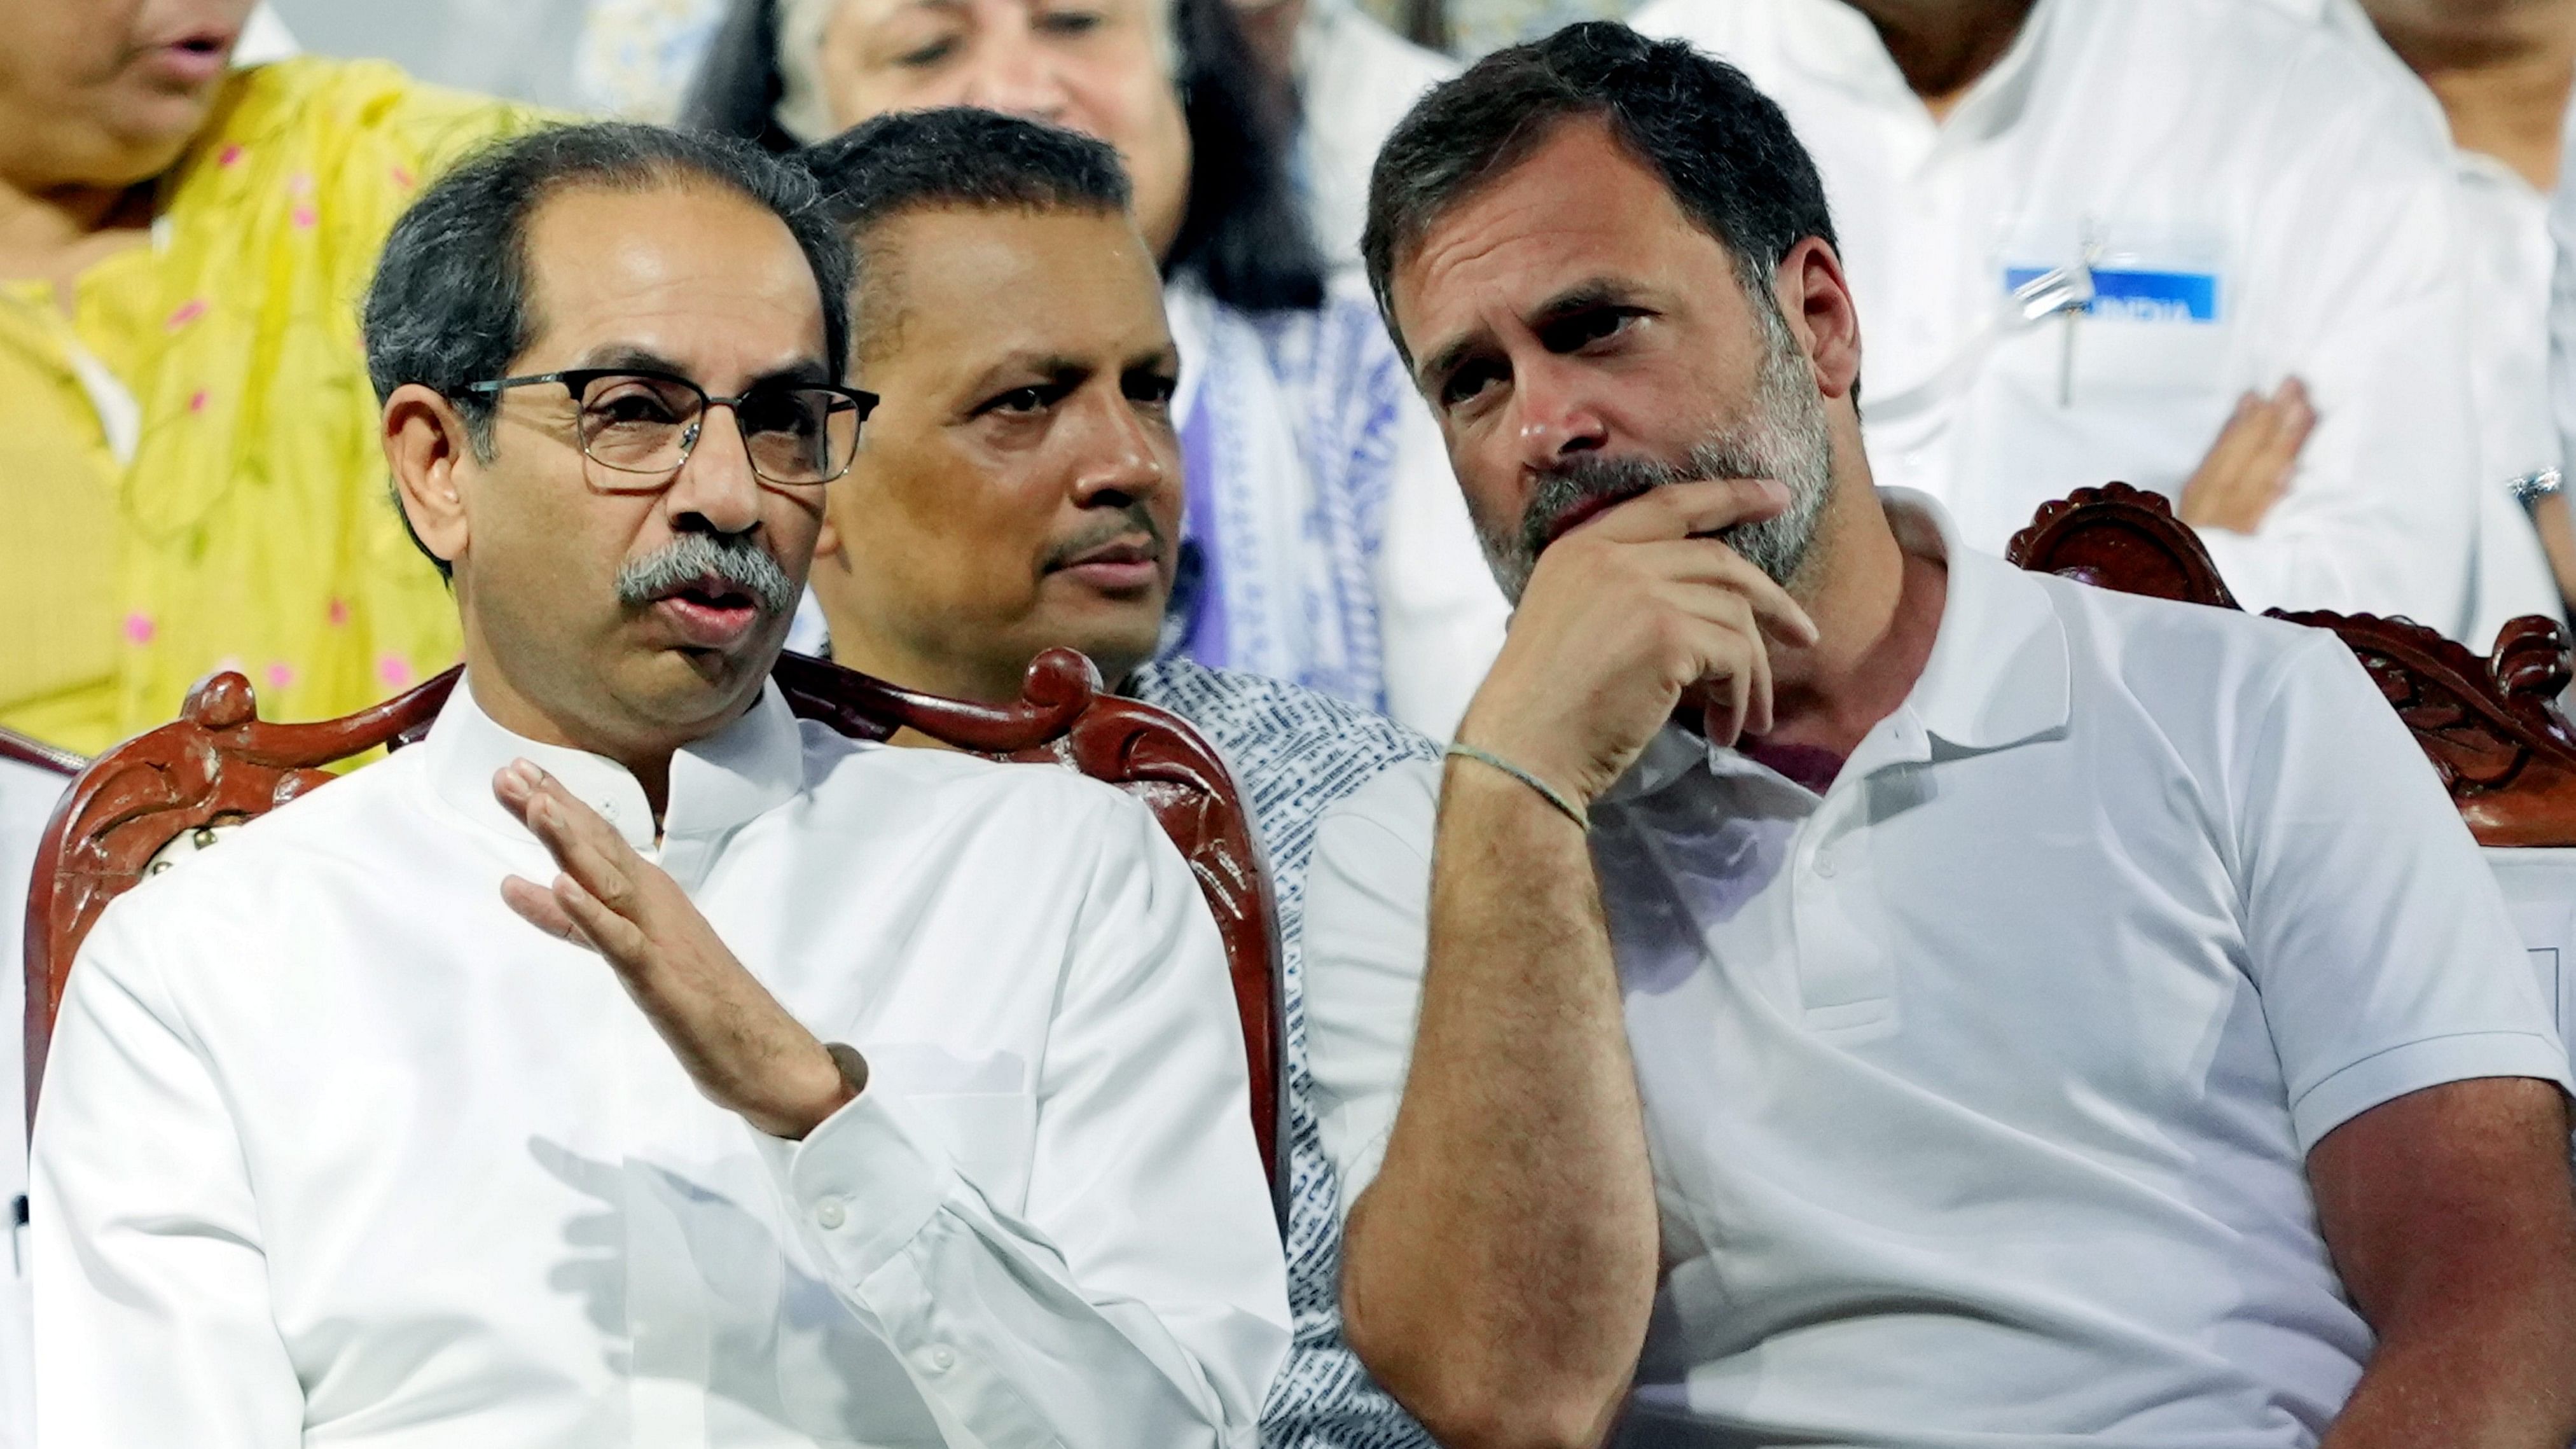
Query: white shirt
point(1979, 1089)
point(1355, 80)
point(334, 1149)
point(2562, 291)
point(2255, 200)
point(27, 797)
point(2506, 262)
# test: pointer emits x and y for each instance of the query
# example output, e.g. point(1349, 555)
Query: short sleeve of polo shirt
point(2377, 938)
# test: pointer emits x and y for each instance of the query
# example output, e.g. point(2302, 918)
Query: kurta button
point(829, 1213)
point(1825, 864)
point(941, 1360)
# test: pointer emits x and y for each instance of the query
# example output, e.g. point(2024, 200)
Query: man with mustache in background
point(1874, 995)
point(1020, 489)
point(627, 1062)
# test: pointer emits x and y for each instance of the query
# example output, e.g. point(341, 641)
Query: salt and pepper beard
point(1784, 439)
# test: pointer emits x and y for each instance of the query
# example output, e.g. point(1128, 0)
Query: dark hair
point(909, 161)
point(1243, 232)
point(449, 303)
point(1722, 148)
point(961, 156)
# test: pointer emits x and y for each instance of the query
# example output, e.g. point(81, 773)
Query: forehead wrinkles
point(1483, 265)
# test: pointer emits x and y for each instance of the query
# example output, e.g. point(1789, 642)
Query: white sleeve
point(2351, 284)
point(1142, 1302)
point(1368, 896)
point(1440, 613)
point(2377, 936)
point(150, 1281)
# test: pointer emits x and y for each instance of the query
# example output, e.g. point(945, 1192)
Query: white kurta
point(2254, 199)
point(336, 1150)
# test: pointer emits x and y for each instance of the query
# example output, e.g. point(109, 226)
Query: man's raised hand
point(1624, 613)
point(739, 1045)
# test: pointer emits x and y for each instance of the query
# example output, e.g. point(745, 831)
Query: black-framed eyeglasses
point(798, 434)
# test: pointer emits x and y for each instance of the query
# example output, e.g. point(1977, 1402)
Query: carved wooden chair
point(2490, 726)
point(136, 807)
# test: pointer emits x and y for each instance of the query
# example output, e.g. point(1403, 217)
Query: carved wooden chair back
point(220, 764)
point(2490, 726)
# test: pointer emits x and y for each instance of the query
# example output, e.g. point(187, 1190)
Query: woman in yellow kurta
point(189, 470)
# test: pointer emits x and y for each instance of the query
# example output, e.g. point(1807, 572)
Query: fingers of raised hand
point(584, 844)
point(601, 926)
point(1678, 510)
point(1709, 563)
point(1712, 640)
point(537, 906)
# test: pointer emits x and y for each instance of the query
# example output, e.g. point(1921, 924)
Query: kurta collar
point(1998, 675)
point(752, 765)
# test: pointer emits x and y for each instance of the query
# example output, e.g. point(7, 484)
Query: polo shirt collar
point(1999, 673)
point(743, 770)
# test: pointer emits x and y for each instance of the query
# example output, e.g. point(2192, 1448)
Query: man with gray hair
point(626, 1062)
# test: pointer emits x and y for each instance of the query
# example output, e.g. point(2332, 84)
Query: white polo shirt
point(1980, 1088)
point(2253, 199)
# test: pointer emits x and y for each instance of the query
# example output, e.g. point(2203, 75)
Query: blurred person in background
point(2493, 79)
point(2195, 245)
point(1348, 80)
point(187, 438)
point(1324, 541)
point(1344, 77)
point(1018, 488)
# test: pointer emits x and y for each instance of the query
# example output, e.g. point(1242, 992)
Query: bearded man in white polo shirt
point(1876, 996)
point(2195, 245)
point(484, 1097)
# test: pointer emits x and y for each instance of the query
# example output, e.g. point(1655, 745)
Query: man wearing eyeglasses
point(626, 1063)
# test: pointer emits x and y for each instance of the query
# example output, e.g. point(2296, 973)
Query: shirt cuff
point(863, 1183)
point(2399, 1070)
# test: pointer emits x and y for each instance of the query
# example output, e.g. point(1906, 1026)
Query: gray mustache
point(732, 557)
point(1581, 480)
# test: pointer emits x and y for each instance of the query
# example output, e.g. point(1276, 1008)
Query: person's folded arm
point(2350, 285)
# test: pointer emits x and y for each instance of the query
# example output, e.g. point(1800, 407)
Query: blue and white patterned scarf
point(1289, 424)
